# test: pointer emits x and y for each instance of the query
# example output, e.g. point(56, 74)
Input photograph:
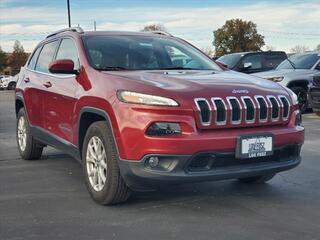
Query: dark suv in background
point(252, 62)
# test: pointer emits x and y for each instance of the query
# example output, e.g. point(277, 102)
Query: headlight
point(275, 79)
point(293, 96)
point(140, 98)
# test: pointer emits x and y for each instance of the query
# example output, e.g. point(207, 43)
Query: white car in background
point(9, 82)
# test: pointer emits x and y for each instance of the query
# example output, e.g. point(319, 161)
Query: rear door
point(60, 94)
point(272, 60)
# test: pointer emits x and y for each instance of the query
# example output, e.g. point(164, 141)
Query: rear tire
point(302, 98)
point(257, 179)
point(100, 165)
point(29, 148)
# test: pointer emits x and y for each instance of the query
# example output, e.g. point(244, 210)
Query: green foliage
point(153, 27)
point(3, 59)
point(237, 35)
point(18, 57)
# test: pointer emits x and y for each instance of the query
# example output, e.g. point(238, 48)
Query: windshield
point(129, 52)
point(300, 61)
point(230, 60)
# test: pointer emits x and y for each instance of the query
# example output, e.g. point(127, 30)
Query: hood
point(201, 83)
point(287, 73)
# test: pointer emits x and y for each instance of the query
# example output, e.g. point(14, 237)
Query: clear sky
point(283, 23)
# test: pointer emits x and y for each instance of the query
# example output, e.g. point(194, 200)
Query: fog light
point(153, 161)
point(163, 129)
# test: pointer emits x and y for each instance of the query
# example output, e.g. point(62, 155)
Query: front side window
point(144, 53)
point(46, 57)
point(300, 61)
point(33, 59)
point(272, 61)
point(68, 50)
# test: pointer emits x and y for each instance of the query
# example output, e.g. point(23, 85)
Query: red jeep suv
point(140, 110)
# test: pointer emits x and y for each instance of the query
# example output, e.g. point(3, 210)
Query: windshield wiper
point(292, 64)
point(111, 68)
point(176, 68)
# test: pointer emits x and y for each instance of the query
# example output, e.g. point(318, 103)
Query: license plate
point(254, 146)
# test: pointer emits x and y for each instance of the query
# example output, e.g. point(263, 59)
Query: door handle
point(26, 79)
point(47, 84)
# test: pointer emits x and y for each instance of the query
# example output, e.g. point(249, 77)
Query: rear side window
point(46, 57)
point(255, 61)
point(68, 50)
point(33, 60)
point(272, 61)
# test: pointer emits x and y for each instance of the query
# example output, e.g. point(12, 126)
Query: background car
point(252, 62)
point(9, 82)
point(296, 73)
point(315, 94)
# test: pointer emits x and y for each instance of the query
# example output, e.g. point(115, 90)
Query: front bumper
point(204, 166)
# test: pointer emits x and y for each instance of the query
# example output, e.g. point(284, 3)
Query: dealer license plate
point(254, 146)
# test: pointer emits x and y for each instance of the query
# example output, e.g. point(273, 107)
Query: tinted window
point(144, 53)
point(46, 56)
point(68, 50)
point(300, 61)
point(255, 60)
point(272, 61)
point(34, 58)
point(230, 60)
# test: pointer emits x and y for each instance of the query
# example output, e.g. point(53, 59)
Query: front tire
point(29, 148)
point(12, 86)
point(100, 165)
point(257, 179)
point(302, 98)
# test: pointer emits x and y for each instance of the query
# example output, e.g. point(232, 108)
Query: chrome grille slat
point(262, 108)
point(246, 108)
point(285, 107)
point(199, 102)
point(218, 111)
point(275, 108)
point(233, 110)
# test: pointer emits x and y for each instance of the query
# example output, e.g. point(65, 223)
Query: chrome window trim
point(199, 109)
point(256, 97)
point(216, 110)
point(273, 97)
point(246, 109)
point(229, 98)
point(284, 118)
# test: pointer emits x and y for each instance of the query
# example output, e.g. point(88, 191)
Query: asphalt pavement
point(47, 199)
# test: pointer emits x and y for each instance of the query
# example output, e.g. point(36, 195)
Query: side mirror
point(318, 66)
point(62, 66)
point(247, 65)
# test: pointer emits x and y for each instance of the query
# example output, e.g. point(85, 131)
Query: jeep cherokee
point(137, 117)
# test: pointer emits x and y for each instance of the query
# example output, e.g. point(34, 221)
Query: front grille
point(242, 110)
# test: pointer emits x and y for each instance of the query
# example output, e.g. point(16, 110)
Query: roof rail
point(73, 29)
point(162, 33)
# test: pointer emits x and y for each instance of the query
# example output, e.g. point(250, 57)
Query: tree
point(270, 48)
point(209, 51)
point(18, 57)
point(318, 48)
point(299, 49)
point(237, 35)
point(153, 27)
point(3, 59)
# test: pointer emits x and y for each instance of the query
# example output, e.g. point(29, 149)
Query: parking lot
point(47, 199)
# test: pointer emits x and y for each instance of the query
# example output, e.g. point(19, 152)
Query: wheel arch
point(89, 115)
point(299, 83)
